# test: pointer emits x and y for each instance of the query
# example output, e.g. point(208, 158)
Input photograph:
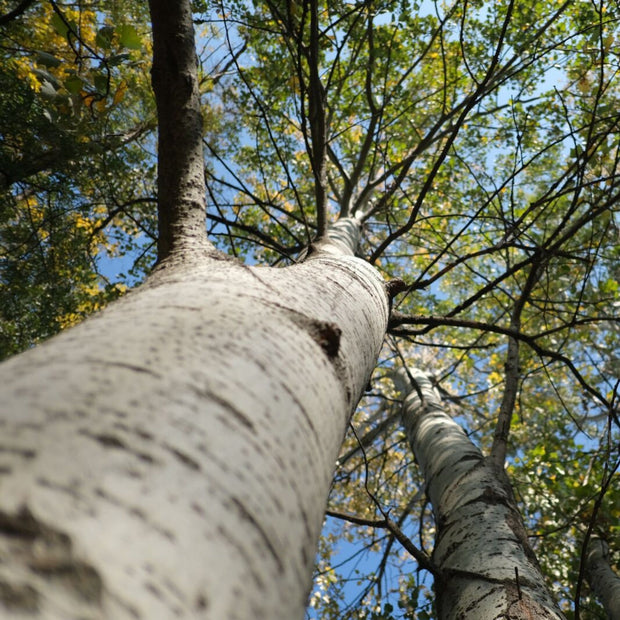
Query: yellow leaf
point(120, 93)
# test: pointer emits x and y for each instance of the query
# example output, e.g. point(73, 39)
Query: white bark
point(171, 456)
point(480, 539)
point(605, 583)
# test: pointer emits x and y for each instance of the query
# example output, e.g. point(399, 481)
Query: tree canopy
point(76, 161)
point(479, 144)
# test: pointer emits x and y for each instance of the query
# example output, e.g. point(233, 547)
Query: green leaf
point(609, 286)
point(74, 84)
point(101, 83)
point(129, 37)
point(63, 27)
point(104, 37)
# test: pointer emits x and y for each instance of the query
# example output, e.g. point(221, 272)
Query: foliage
point(76, 162)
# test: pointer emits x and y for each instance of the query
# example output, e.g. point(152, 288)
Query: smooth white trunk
point(602, 579)
point(171, 456)
point(480, 546)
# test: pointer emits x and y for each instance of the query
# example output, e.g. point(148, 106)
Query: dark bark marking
point(198, 509)
point(325, 333)
point(172, 588)
point(70, 489)
point(78, 577)
point(250, 518)
point(307, 560)
point(23, 452)
point(108, 440)
point(134, 511)
point(121, 426)
point(513, 591)
point(47, 552)
point(238, 415)
point(479, 462)
point(147, 458)
point(256, 574)
point(304, 557)
point(151, 587)
point(19, 598)
point(327, 336)
point(132, 367)
point(20, 525)
point(515, 523)
point(144, 434)
point(183, 458)
point(303, 411)
point(139, 513)
point(202, 602)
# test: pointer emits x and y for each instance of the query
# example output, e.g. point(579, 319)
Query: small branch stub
point(327, 335)
point(395, 286)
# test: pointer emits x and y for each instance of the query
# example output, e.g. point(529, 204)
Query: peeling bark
point(487, 569)
point(171, 456)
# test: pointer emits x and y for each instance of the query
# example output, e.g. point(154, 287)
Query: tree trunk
point(180, 158)
point(604, 582)
point(171, 456)
point(485, 567)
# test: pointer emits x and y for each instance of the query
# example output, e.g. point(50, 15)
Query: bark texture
point(171, 456)
point(604, 582)
point(487, 570)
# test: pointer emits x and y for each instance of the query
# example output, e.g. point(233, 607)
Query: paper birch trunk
point(171, 456)
point(605, 583)
point(486, 568)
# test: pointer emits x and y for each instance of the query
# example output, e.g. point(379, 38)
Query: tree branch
point(21, 8)
point(318, 125)
point(529, 340)
point(513, 372)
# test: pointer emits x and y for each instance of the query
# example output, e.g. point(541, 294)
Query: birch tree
point(483, 563)
point(602, 578)
point(143, 479)
point(445, 171)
